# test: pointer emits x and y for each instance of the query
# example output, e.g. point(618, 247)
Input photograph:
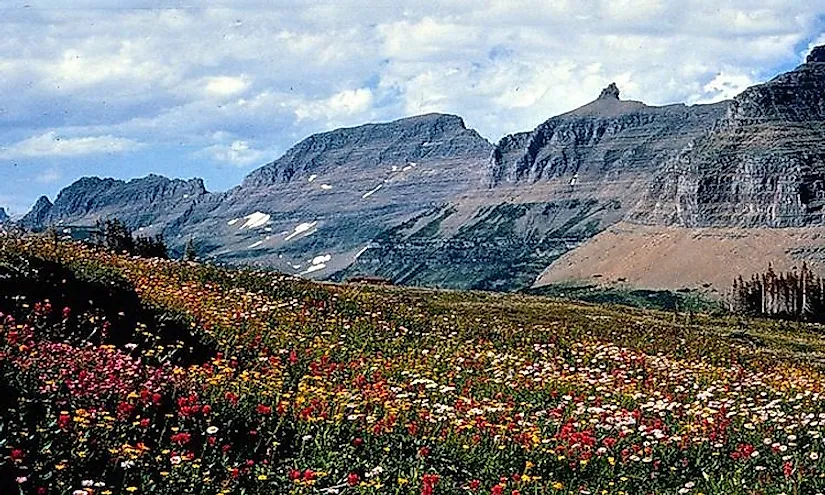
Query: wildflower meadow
point(124, 375)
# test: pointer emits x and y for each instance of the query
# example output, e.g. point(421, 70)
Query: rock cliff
point(763, 165)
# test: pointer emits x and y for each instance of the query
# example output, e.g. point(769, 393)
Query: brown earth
point(658, 257)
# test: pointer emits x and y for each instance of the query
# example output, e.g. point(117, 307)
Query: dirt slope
point(677, 257)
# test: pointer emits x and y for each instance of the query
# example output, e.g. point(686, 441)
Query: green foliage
point(117, 237)
point(664, 300)
point(189, 252)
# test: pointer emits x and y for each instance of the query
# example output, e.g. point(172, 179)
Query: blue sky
point(215, 89)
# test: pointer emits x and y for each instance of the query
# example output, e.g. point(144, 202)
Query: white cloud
point(226, 86)
point(344, 103)
point(724, 86)
point(49, 176)
point(51, 144)
point(238, 153)
point(239, 80)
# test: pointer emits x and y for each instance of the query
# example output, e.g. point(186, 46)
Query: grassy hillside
point(126, 375)
point(664, 300)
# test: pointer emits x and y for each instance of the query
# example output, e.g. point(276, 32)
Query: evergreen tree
point(189, 252)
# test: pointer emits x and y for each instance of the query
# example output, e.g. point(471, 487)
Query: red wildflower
point(428, 482)
point(63, 421)
point(124, 410)
point(181, 438)
point(262, 409)
point(353, 479)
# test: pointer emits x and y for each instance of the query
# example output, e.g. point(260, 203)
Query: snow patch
point(300, 229)
point(317, 263)
point(312, 177)
point(326, 187)
point(314, 268)
point(233, 221)
point(370, 193)
point(255, 220)
point(255, 244)
point(321, 259)
point(362, 251)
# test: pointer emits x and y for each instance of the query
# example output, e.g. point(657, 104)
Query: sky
point(214, 89)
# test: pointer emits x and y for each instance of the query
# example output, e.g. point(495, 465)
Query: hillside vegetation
point(127, 375)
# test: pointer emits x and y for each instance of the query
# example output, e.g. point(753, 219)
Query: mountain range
point(659, 196)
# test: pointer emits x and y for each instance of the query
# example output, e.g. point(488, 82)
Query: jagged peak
point(817, 55)
point(42, 201)
point(611, 92)
point(151, 179)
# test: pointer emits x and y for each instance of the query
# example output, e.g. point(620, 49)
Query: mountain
point(152, 203)
point(315, 209)
point(425, 200)
point(4, 217)
point(763, 165)
point(38, 217)
point(546, 192)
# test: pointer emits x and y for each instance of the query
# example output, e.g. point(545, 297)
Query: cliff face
point(4, 217)
point(763, 165)
point(605, 140)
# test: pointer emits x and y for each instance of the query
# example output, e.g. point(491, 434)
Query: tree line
point(796, 294)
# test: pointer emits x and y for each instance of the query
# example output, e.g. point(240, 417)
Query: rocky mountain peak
point(4, 217)
point(611, 92)
point(39, 213)
point(817, 55)
point(421, 138)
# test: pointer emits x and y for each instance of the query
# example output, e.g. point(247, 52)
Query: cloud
point(86, 78)
point(51, 144)
point(344, 103)
point(238, 153)
point(724, 86)
point(49, 176)
point(225, 85)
